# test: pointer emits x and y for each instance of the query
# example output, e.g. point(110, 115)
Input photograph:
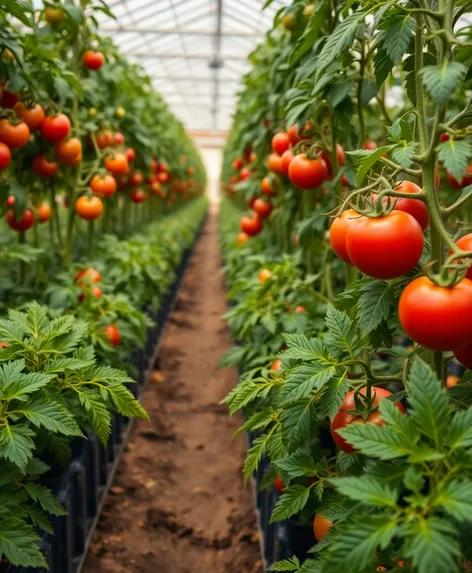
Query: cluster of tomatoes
point(87, 281)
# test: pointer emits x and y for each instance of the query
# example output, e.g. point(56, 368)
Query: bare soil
point(178, 504)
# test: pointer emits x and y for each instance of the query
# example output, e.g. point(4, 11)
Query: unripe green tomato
point(92, 112)
point(289, 22)
point(120, 112)
point(308, 10)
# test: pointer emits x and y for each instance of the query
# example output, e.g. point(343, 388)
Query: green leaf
point(269, 323)
point(333, 395)
point(440, 81)
point(47, 413)
point(383, 65)
point(456, 499)
point(16, 444)
point(459, 431)
point(403, 155)
point(374, 305)
point(125, 402)
point(367, 159)
point(18, 543)
point(431, 545)
point(341, 330)
point(302, 348)
point(357, 543)
point(413, 480)
point(97, 413)
point(292, 564)
point(341, 38)
point(455, 155)
point(349, 297)
point(293, 499)
point(36, 317)
point(303, 379)
point(428, 399)
point(46, 499)
point(254, 455)
point(395, 34)
point(297, 465)
point(39, 520)
point(367, 490)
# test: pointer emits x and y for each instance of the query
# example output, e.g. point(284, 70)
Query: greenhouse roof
point(194, 50)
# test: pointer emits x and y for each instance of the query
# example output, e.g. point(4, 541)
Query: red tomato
point(300, 308)
point(293, 135)
point(266, 187)
point(438, 318)
point(287, 157)
point(155, 188)
point(341, 156)
point(68, 150)
point(342, 419)
point(93, 60)
point(262, 208)
point(321, 526)
point(105, 185)
point(15, 136)
point(464, 355)
point(465, 244)
point(113, 334)
point(96, 291)
point(44, 212)
point(276, 365)
point(102, 139)
point(415, 207)
point(138, 196)
point(119, 138)
point(23, 224)
point(466, 179)
point(252, 226)
point(9, 99)
point(237, 164)
point(264, 275)
point(444, 137)
point(163, 177)
point(130, 154)
point(244, 174)
point(279, 485)
point(43, 167)
point(89, 274)
point(55, 127)
point(117, 164)
point(89, 208)
point(136, 179)
point(370, 145)
point(242, 238)
point(274, 163)
point(280, 142)
point(33, 116)
point(338, 233)
point(5, 156)
point(345, 181)
point(385, 247)
point(307, 173)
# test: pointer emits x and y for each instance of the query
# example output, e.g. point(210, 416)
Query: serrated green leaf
point(459, 431)
point(367, 490)
point(297, 465)
point(46, 499)
point(440, 81)
point(303, 379)
point(395, 35)
point(293, 499)
point(374, 305)
point(97, 414)
point(456, 499)
point(125, 402)
point(302, 348)
point(367, 159)
point(341, 331)
point(403, 154)
point(16, 444)
point(413, 480)
point(45, 412)
point(455, 155)
point(18, 543)
point(254, 455)
point(292, 564)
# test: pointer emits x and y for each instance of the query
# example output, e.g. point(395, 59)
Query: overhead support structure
point(168, 55)
point(179, 31)
point(217, 63)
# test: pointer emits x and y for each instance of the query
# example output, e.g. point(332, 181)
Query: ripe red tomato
point(44, 212)
point(262, 208)
point(155, 188)
point(276, 365)
point(55, 127)
point(307, 173)
point(119, 138)
point(287, 157)
point(252, 226)
point(5, 156)
point(438, 318)
point(237, 164)
point(89, 274)
point(342, 419)
point(300, 308)
point(341, 156)
point(244, 174)
point(43, 167)
point(465, 244)
point(466, 179)
point(370, 145)
point(93, 60)
point(263, 275)
point(14, 135)
point(138, 196)
point(130, 154)
point(102, 139)
point(113, 334)
point(67, 150)
point(464, 355)
point(338, 233)
point(279, 485)
point(242, 238)
point(274, 163)
point(321, 526)
point(9, 99)
point(293, 135)
point(266, 187)
point(415, 207)
point(385, 247)
point(104, 185)
point(117, 164)
point(33, 116)
point(23, 224)
point(163, 166)
point(89, 208)
point(96, 291)
point(163, 177)
point(136, 179)
point(280, 142)
point(74, 161)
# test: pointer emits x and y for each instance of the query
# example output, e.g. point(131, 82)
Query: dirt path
point(178, 504)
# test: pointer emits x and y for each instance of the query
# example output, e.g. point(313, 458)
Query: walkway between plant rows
point(178, 504)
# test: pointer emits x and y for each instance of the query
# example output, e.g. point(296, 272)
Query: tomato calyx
point(365, 404)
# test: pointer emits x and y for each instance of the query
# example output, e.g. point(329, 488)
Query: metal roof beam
point(180, 31)
point(168, 55)
point(196, 78)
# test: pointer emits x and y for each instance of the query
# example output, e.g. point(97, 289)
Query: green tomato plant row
point(100, 197)
point(350, 283)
